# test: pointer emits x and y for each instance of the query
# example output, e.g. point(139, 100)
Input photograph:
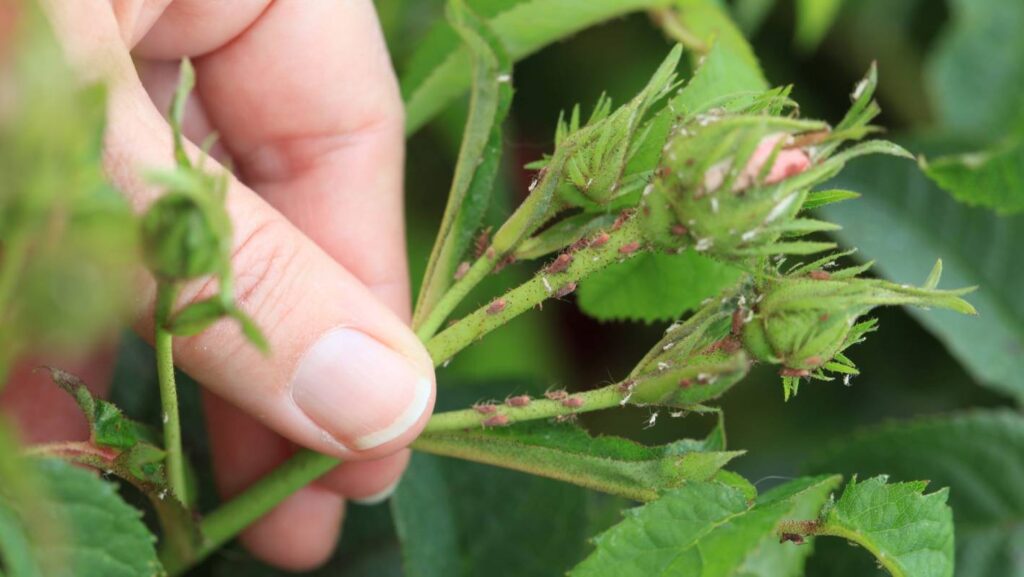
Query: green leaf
point(479, 155)
point(562, 234)
point(976, 72)
point(992, 178)
point(95, 533)
point(564, 452)
point(439, 70)
point(819, 198)
point(654, 286)
point(813, 20)
point(251, 330)
point(906, 223)
point(979, 455)
point(108, 426)
point(908, 532)
point(698, 530)
point(422, 511)
point(197, 317)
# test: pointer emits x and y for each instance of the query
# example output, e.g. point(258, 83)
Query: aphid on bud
point(504, 262)
point(559, 264)
point(485, 408)
point(556, 395)
point(794, 538)
point(813, 361)
point(462, 270)
point(580, 244)
point(518, 401)
point(573, 402)
point(679, 230)
point(566, 289)
point(496, 306)
point(599, 240)
point(483, 240)
point(629, 247)
point(685, 383)
point(496, 421)
point(819, 275)
point(823, 317)
point(621, 219)
point(788, 372)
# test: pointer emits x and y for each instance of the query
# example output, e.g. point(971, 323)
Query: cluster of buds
point(733, 182)
point(593, 158)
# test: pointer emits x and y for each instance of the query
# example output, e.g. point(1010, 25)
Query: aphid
point(556, 395)
point(509, 259)
point(819, 275)
point(518, 401)
point(559, 264)
point(788, 372)
point(485, 408)
point(580, 244)
point(599, 239)
point(565, 290)
point(496, 306)
point(792, 538)
point(813, 361)
point(629, 247)
point(496, 421)
point(679, 230)
point(621, 219)
point(685, 383)
point(483, 240)
point(823, 317)
point(462, 270)
point(573, 402)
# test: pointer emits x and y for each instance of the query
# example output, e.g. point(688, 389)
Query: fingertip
point(367, 482)
point(301, 533)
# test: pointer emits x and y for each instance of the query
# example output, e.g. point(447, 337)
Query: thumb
point(345, 375)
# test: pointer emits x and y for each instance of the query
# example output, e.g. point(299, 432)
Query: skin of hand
point(306, 105)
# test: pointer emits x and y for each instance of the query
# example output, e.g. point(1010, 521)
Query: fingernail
point(378, 498)
point(362, 393)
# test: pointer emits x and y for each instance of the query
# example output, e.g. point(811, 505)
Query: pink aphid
point(485, 408)
point(496, 421)
point(557, 395)
point(496, 306)
point(462, 270)
point(518, 401)
point(599, 239)
point(629, 247)
point(559, 264)
point(565, 290)
point(573, 402)
point(788, 162)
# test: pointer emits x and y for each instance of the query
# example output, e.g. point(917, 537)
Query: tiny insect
point(679, 230)
point(518, 401)
point(621, 219)
point(599, 240)
point(788, 372)
point(462, 270)
point(509, 259)
point(823, 317)
point(629, 247)
point(559, 264)
point(496, 307)
point(580, 244)
point(813, 361)
point(737, 321)
point(485, 408)
point(483, 240)
point(566, 289)
point(496, 421)
point(794, 538)
point(685, 383)
point(572, 402)
point(556, 395)
point(819, 275)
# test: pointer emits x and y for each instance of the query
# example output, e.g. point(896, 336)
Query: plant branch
point(163, 343)
point(620, 244)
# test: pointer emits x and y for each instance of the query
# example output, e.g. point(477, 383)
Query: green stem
point(162, 342)
point(14, 256)
point(621, 244)
point(306, 466)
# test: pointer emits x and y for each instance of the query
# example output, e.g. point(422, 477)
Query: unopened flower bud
point(179, 240)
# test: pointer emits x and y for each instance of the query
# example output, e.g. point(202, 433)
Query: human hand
point(304, 99)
